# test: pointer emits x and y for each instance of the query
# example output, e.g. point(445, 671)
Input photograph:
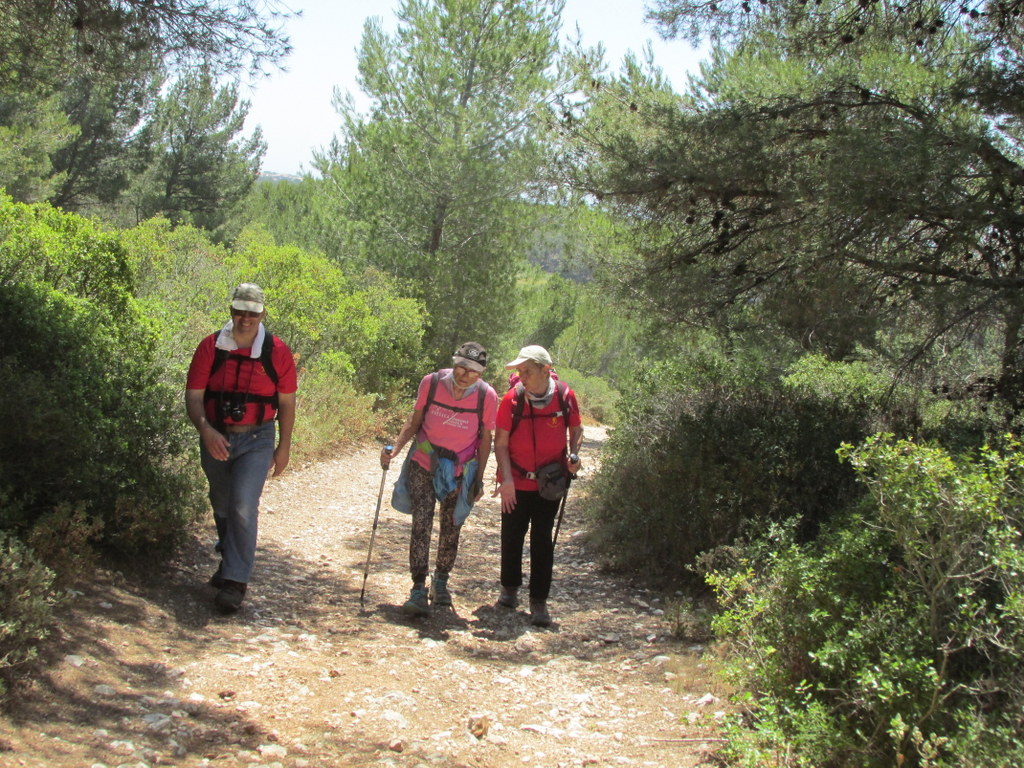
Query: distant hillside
point(271, 176)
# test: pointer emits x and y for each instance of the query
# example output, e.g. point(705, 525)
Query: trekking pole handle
point(388, 449)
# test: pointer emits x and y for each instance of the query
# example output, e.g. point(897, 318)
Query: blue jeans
point(235, 489)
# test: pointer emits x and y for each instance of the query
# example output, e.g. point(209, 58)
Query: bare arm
point(286, 422)
point(482, 453)
point(408, 432)
point(216, 443)
point(575, 441)
point(507, 489)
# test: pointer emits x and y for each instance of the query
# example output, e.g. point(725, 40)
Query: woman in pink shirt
point(450, 431)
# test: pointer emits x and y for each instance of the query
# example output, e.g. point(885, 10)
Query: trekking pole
point(561, 511)
point(373, 532)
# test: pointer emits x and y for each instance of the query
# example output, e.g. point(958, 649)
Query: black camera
point(231, 409)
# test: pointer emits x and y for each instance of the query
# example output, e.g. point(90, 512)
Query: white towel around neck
point(226, 341)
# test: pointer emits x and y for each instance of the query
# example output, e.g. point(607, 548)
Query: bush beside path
point(145, 672)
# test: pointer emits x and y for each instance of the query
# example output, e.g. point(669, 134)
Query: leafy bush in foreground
point(896, 638)
point(28, 600)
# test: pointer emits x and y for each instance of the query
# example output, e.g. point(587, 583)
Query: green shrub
point(317, 308)
point(28, 599)
point(894, 638)
point(183, 287)
point(394, 358)
point(69, 255)
point(334, 413)
point(710, 450)
point(95, 427)
point(597, 399)
point(63, 539)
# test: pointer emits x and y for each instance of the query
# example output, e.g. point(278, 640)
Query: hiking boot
point(439, 588)
point(217, 581)
point(230, 596)
point(507, 598)
point(416, 605)
point(539, 614)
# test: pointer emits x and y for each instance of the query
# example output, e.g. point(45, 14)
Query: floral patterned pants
point(421, 493)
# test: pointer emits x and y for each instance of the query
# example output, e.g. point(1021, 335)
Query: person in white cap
point(450, 432)
point(242, 379)
point(538, 428)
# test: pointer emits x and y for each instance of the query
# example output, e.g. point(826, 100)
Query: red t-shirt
point(242, 373)
point(539, 440)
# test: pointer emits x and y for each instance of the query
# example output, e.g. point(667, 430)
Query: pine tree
point(199, 169)
point(433, 173)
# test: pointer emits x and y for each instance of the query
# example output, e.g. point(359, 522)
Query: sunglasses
point(245, 313)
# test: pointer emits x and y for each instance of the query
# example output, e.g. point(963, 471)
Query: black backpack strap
point(431, 391)
point(219, 355)
point(518, 401)
point(480, 410)
point(434, 377)
point(267, 357)
point(266, 360)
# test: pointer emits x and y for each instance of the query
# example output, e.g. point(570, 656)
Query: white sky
point(294, 107)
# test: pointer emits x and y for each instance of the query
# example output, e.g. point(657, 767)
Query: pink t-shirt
point(453, 429)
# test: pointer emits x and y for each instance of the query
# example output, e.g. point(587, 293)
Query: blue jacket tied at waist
point(445, 481)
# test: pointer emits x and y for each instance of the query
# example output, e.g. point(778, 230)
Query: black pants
point(538, 516)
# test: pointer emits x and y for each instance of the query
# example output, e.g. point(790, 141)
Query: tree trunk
point(437, 228)
point(1011, 378)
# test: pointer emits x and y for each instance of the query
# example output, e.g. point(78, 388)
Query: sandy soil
point(145, 671)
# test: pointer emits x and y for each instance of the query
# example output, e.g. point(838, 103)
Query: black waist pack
point(552, 481)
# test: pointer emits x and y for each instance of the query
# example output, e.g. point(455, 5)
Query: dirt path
point(303, 676)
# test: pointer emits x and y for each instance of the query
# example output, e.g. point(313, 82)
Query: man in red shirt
point(538, 423)
point(233, 400)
